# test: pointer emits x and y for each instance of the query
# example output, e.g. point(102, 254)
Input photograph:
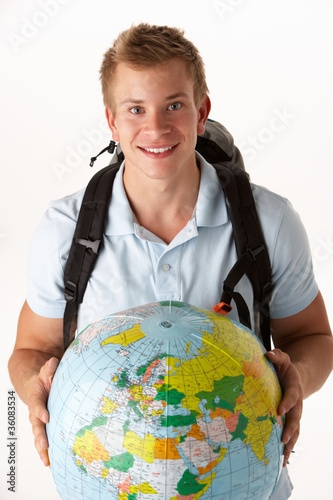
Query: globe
point(165, 401)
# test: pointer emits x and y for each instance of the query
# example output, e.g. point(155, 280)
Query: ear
point(203, 113)
point(112, 124)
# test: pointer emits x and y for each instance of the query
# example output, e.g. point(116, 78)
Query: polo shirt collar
point(210, 210)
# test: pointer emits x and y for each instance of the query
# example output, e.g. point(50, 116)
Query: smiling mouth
point(158, 150)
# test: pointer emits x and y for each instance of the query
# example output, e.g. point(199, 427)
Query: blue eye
point(175, 106)
point(136, 110)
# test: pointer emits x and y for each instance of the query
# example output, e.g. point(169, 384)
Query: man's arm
point(37, 351)
point(303, 359)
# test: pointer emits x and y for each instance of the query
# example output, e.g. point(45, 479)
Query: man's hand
point(38, 414)
point(292, 403)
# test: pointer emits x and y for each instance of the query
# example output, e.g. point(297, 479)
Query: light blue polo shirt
point(135, 267)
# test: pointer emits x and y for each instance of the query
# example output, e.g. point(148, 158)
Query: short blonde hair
point(144, 46)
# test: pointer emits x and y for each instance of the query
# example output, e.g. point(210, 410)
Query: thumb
point(49, 368)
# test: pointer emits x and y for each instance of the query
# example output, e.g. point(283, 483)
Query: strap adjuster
point(70, 291)
point(222, 308)
point(255, 252)
point(94, 245)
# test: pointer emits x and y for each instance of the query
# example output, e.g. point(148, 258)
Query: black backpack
point(216, 145)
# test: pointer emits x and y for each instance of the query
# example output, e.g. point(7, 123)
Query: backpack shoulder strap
point(217, 147)
point(251, 249)
point(86, 242)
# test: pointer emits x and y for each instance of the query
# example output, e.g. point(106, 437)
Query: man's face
point(156, 120)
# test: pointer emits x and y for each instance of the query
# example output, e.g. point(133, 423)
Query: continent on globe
point(165, 401)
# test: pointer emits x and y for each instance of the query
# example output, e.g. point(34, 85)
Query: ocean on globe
point(165, 401)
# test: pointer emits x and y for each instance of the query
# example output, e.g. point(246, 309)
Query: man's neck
point(165, 206)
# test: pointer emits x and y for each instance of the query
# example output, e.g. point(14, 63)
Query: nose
point(156, 124)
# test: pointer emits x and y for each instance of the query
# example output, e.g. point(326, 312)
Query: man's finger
point(291, 404)
point(43, 453)
point(280, 359)
point(38, 409)
point(39, 432)
point(48, 370)
point(38, 413)
point(293, 418)
point(291, 400)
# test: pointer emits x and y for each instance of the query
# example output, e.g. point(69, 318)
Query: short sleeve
point(292, 269)
point(47, 256)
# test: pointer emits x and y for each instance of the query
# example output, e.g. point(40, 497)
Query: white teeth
point(155, 150)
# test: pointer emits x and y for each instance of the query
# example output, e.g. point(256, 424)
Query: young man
point(167, 216)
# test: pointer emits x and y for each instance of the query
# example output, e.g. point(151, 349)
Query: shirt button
point(166, 267)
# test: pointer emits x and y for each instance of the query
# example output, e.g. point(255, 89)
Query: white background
point(263, 59)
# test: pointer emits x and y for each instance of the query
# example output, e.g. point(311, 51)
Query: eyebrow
point(175, 96)
point(130, 100)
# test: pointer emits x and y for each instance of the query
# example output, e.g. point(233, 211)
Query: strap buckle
point(94, 245)
point(255, 252)
point(70, 291)
point(222, 308)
